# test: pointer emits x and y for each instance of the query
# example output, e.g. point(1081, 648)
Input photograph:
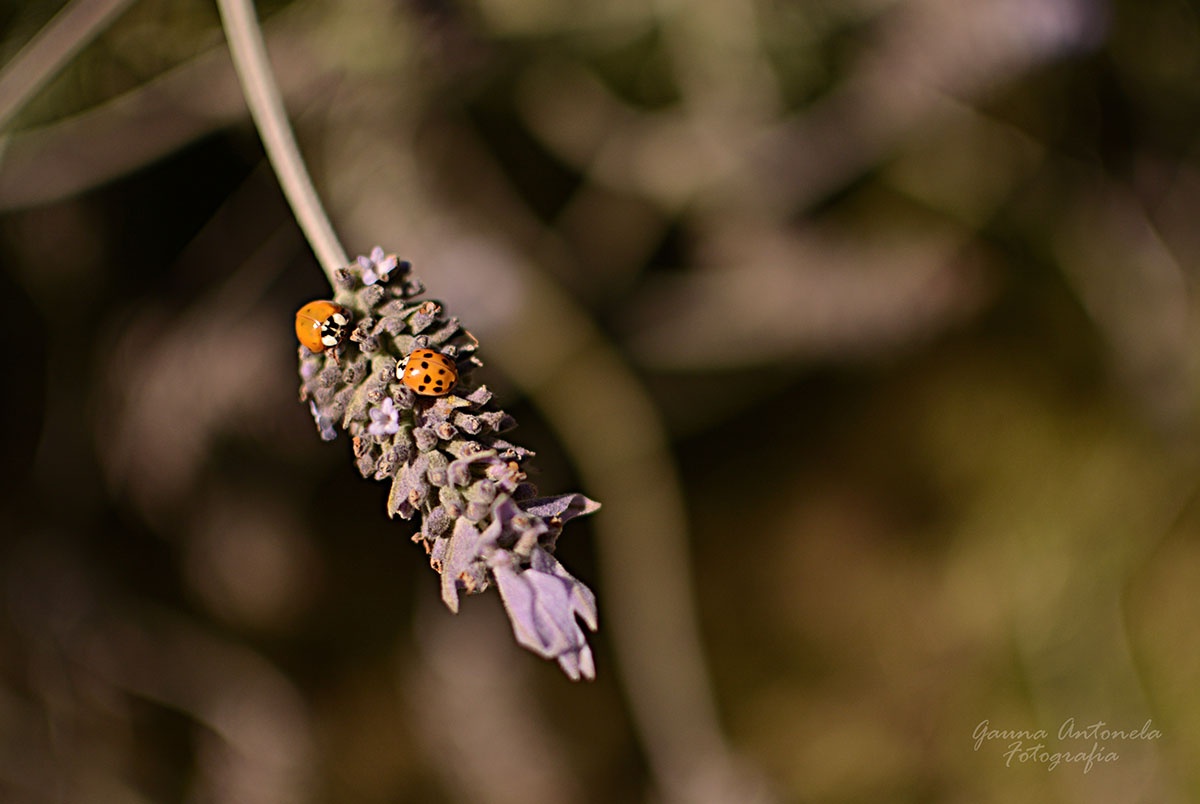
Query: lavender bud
point(459, 473)
point(436, 522)
point(485, 491)
point(452, 500)
point(425, 315)
point(425, 439)
point(467, 423)
point(371, 296)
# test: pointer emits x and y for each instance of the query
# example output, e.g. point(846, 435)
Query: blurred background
point(871, 323)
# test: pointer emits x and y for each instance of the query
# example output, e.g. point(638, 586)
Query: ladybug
point(427, 372)
point(322, 325)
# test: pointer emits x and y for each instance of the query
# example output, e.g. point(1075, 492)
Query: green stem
point(266, 107)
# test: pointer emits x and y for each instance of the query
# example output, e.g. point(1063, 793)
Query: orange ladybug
point(322, 325)
point(429, 373)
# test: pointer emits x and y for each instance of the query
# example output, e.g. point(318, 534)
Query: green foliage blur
point(905, 287)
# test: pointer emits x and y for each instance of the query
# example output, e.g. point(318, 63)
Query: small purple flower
point(385, 419)
point(376, 267)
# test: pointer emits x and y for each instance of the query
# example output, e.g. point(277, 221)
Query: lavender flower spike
point(481, 520)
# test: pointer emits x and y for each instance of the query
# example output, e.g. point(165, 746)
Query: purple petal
point(385, 419)
point(580, 664)
point(323, 422)
point(480, 395)
point(461, 549)
point(542, 608)
point(411, 477)
point(563, 506)
point(532, 610)
point(583, 600)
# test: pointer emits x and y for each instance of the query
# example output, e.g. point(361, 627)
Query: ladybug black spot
point(427, 379)
point(424, 365)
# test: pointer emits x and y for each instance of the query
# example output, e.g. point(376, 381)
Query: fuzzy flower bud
point(481, 521)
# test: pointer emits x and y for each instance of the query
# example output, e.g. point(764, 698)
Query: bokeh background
point(872, 324)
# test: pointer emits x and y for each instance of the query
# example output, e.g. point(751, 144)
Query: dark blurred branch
point(55, 45)
point(931, 54)
point(607, 421)
point(609, 424)
point(64, 159)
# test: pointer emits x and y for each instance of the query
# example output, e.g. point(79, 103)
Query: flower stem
point(266, 107)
